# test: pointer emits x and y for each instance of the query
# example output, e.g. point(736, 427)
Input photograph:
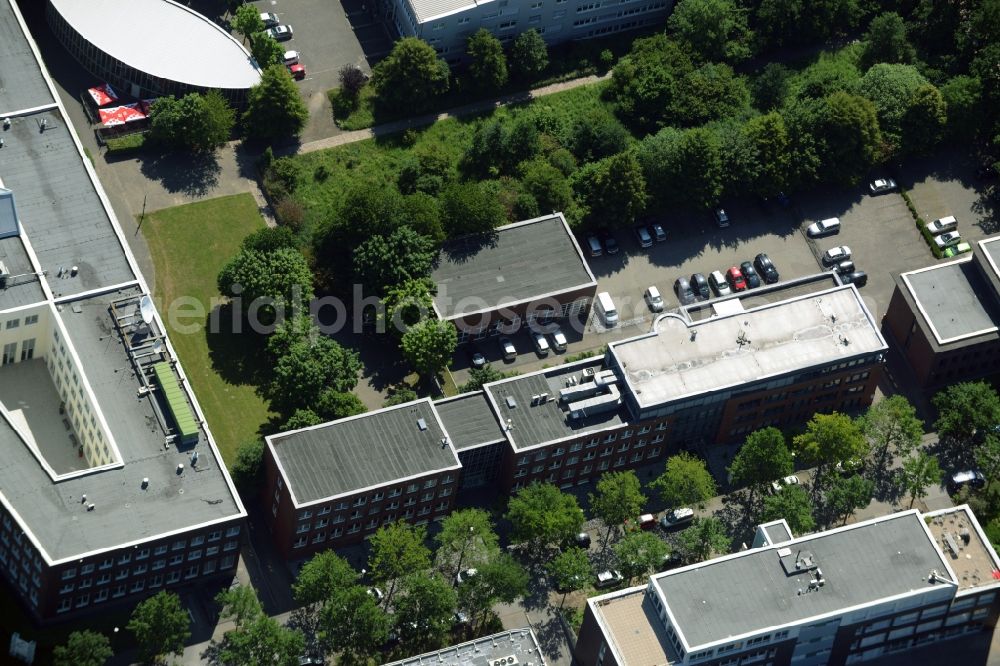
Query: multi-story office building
point(517, 647)
point(694, 381)
point(112, 486)
point(945, 318)
point(447, 24)
point(844, 596)
point(523, 273)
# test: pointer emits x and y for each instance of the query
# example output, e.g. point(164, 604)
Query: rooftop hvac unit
point(505, 661)
point(4, 274)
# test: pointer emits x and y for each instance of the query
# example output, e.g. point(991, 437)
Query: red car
point(735, 279)
point(297, 71)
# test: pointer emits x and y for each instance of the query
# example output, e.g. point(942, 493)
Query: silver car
point(948, 239)
point(835, 255)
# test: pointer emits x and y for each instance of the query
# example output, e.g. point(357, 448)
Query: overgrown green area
point(126, 144)
point(189, 245)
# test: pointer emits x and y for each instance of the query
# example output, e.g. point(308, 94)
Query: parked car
point(594, 245)
point(558, 340)
point(882, 185)
point(476, 358)
point(846, 266)
point(643, 236)
point(735, 279)
point(682, 288)
point(658, 232)
point(766, 268)
point(610, 242)
point(699, 284)
point(942, 224)
point(948, 239)
point(970, 477)
point(750, 275)
point(677, 517)
point(827, 227)
point(721, 218)
point(609, 578)
point(281, 33)
point(718, 284)
point(541, 344)
point(653, 299)
point(507, 349)
point(298, 71)
point(857, 278)
point(290, 57)
point(776, 486)
point(835, 255)
point(270, 19)
point(956, 250)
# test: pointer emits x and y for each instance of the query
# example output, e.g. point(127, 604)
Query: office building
point(517, 647)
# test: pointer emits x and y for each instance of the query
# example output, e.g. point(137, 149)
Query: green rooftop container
point(180, 410)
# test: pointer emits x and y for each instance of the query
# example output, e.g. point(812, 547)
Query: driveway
point(947, 185)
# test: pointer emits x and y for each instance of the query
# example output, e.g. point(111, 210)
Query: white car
point(558, 340)
point(281, 33)
point(835, 255)
point(270, 20)
point(942, 224)
point(776, 486)
point(826, 227)
point(718, 283)
point(541, 344)
point(677, 517)
point(948, 239)
point(291, 57)
point(653, 299)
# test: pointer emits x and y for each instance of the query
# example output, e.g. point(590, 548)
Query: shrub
point(290, 213)
point(352, 79)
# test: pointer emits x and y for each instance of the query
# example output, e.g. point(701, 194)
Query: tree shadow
point(889, 485)
point(552, 636)
point(236, 352)
point(185, 173)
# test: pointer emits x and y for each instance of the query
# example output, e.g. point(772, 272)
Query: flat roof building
point(829, 597)
point(517, 647)
point(97, 485)
point(151, 48)
point(491, 284)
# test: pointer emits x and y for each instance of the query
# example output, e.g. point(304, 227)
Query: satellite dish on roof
point(146, 308)
point(157, 346)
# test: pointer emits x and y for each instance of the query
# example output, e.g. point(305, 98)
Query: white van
point(606, 308)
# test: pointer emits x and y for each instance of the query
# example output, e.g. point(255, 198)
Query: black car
point(683, 290)
point(750, 275)
point(766, 268)
point(857, 278)
point(699, 284)
point(610, 244)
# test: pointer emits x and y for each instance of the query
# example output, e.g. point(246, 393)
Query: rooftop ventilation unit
point(4, 275)
point(543, 398)
point(511, 402)
point(534, 399)
point(422, 424)
point(607, 402)
point(505, 661)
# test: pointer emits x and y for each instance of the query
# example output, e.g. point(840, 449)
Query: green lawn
point(189, 244)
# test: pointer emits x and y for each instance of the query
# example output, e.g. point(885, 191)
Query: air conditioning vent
point(505, 661)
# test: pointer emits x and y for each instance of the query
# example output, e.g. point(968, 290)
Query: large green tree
point(246, 20)
point(768, 138)
point(710, 92)
point(612, 189)
point(488, 63)
point(849, 132)
point(246, 470)
point(919, 471)
point(886, 41)
point(847, 494)
point(83, 648)
point(268, 284)
point(353, 623)
point(424, 611)
point(965, 409)
point(715, 30)
point(963, 98)
point(794, 505)
point(275, 109)
point(321, 577)
point(397, 550)
point(193, 123)
point(501, 580)
point(683, 168)
point(544, 515)
point(892, 428)
point(160, 625)
point(570, 571)
point(266, 50)
point(467, 537)
point(925, 120)
point(891, 88)
point(406, 305)
point(644, 81)
point(704, 537)
point(428, 345)
point(257, 640)
point(763, 458)
point(308, 367)
point(411, 76)
point(382, 262)
point(685, 481)
point(829, 439)
point(619, 498)
point(529, 55)
point(471, 208)
point(640, 553)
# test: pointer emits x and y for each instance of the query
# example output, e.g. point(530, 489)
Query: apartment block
point(856, 594)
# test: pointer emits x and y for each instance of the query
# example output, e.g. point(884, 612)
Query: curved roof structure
point(163, 39)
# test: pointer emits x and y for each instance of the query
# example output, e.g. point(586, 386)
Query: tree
point(195, 123)
point(471, 208)
point(399, 395)
point(551, 189)
point(919, 471)
point(763, 458)
point(353, 623)
point(768, 138)
point(246, 470)
point(925, 120)
point(598, 134)
point(794, 505)
point(424, 611)
point(715, 30)
point(683, 168)
point(619, 498)
point(892, 428)
point(160, 625)
point(411, 76)
point(257, 640)
point(488, 65)
point(352, 79)
point(771, 86)
point(685, 481)
point(847, 494)
point(332, 405)
point(428, 345)
point(850, 134)
point(269, 239)
point(501, 580)
point(267, 284)
point(612, 189)
point(704, 537)
point(886, 41)
point(246, 20)
point(829, 74)
point(570, 571)
point(404, 306)
point(275, 109)
point(987, 456)
point(793, 22)
point(83, 648)
point(468, 536)
point(397, 550)
point(500, 144)
point(481, 376)
point(308, 367)
point(965, 409)
point(644, 81)
point(301, 418)
point(322, 577)
point(708, 93)
point(529, 55)
point(891, 87)
point(266, 50)
point(639, 553)
point(543, 515)
point(827, 440)
point(386, 261)
point(963, 98)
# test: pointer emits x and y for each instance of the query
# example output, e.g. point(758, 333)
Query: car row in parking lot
point(542, 342)
point(283, 33)
point(748, 275)
point(604, 242)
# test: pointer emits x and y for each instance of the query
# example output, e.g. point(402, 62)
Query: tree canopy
point(160, 625)
point(397, 550)
point(640, 553)
point(424, 611)
point(618, 498)
point(965, 409)
point(467, 537)
point(193, 123)
point(570, 571)
point(715, 30)
point(268, 284)
point(488, 65)
point(542, 514)
point(704, 537)
point(83, 648)
point(685, 481)
point(275, 109)
point(428, 345)
point(323, 575)
point(529, 54)
point(382, 262)
point(763, 458)
point(794, 505)
point(411, 76)
point(257, 640)
point(827, 440)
